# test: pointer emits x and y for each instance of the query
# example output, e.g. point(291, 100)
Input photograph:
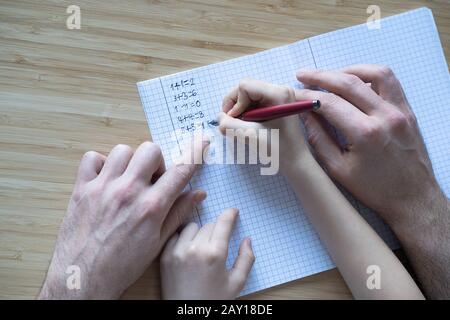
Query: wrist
point(409, 218)
point(61, 284)
point(55, 287)
point(302, 162)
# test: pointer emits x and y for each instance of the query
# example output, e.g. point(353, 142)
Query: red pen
point(261, 114)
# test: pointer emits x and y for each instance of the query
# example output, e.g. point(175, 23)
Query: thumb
point(243, 264)
point(180, 211)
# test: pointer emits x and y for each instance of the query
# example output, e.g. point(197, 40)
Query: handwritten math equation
point(186, 104)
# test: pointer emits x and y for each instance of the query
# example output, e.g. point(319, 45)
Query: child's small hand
point(193, 262)
point(253, 93)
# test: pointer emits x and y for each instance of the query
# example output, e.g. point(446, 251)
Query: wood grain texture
point(64, 92)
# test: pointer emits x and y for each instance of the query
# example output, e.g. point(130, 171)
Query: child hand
point(250, 93)
point(193, 262)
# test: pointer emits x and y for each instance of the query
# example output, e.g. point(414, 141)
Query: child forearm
point(351, 242)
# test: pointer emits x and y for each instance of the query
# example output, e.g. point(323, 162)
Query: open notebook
point(284, 242)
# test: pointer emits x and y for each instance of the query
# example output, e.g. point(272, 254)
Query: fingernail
point(249, 241)
point(199, 196)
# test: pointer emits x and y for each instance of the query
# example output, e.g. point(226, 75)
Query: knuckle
point(183, 171)
point(212, 255)
point(193, 251)
point(240, 279)
point(177, 257)
point(370, 132)
point(244, 83)
point(122, 188)
point(123, 148)
point(287, 93)
point(384, 72)
point(304, 94)
point(207, 255)
point(317, 75)
point(90, 155)
point(154, 150)
point(151, 205)
point(192, 225)
point(397, 121)
point(300, 94)
point(123, 195)
point(350, 81)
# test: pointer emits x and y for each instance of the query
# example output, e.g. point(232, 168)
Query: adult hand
point(385, 164)
point(123, 209)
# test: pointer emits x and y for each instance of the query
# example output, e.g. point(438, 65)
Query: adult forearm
point(424, 233)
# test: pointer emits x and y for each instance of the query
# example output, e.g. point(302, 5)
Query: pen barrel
point(268, 113)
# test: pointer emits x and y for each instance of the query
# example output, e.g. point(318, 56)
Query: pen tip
point(214, 123)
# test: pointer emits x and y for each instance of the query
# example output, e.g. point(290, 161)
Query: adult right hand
point(385, 164)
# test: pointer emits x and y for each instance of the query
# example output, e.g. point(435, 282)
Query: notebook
point(284, 241)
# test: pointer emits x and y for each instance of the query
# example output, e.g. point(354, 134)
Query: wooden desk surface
point(63, 92)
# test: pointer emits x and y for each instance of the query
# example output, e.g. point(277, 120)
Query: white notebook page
point(284, 242)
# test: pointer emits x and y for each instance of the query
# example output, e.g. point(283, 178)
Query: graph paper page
point(284, 242)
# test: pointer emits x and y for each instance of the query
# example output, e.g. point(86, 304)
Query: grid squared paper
point(284, 242)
